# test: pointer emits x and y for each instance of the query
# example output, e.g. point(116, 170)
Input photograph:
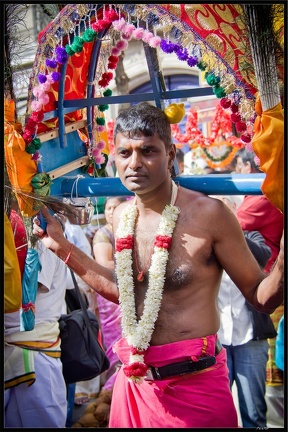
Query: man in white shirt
point(35, 390)
point(243, 333)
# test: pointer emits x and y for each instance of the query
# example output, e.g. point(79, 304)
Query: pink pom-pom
point(119, 24)
point(46, 86)
point(115, 51)
point(41, 92)
point(249, 147)
point(154, 41)
point(44, 99)
point(100, 159)
point(147, 36)
point(128, 29)
point(36, 106)
point(122, 45)
point(36, 91)
point(96, 152)
point(138, 33)
point(100, 128)
point(50, 79)
point(101, 145)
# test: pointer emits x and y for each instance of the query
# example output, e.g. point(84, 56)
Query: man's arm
point(95, 275)
point(264, 292)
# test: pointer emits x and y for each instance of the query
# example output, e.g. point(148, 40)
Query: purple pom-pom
point(56, 76)
point(42, 78)
point(181, 53)
point(192, 61)
point(51, 63)
point(167, 47)
point(61, 55)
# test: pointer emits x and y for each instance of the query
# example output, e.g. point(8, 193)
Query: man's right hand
point(53, 232)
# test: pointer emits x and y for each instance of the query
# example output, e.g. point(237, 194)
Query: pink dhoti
point(201, 399)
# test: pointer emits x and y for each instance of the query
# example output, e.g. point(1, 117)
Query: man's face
point(142, 162)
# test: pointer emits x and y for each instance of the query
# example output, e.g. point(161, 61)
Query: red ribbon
point(28, 306)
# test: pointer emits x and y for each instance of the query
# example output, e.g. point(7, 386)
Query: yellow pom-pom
point(175, 112)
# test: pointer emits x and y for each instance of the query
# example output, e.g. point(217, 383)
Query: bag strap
point(82, 304)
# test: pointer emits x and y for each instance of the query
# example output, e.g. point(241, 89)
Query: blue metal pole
point(212, 184)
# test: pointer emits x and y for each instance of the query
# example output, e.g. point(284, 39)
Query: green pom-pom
point(37, 143)
point(34, 145)
point(30, 149)
point(103, 107)
point(77, 44)
point(202, 65)
point(77, 48)
point(211, 79)
point(219, 92)
point(69, 50)
point(100, 121)
point(107, 92)
point(89, 35)
point(78, 41)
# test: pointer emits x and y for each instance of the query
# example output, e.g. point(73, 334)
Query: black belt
point(182, 368)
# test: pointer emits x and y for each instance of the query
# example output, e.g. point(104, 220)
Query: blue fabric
point(279, 345)
point(70, 404)
point(29, 288)
point(247, 367)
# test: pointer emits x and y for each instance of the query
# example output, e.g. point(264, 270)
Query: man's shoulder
point(199, 202)
point(192, 196)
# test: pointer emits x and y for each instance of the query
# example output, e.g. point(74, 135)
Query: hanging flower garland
point(139, 333)
point(220, 161)
point(220, 128)
point(220, 138)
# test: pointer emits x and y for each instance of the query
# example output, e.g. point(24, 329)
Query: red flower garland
point(135, 369)
point(124, 243)
point(163, 241)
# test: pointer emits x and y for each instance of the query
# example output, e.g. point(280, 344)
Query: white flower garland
point(138, 334)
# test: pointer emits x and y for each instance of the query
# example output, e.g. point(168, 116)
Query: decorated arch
point(66, 132)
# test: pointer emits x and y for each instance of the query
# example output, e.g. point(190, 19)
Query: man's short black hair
point(143, 119)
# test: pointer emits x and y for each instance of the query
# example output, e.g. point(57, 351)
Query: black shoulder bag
point(82, 355)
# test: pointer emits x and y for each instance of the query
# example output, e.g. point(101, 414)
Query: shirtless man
point(174, 372)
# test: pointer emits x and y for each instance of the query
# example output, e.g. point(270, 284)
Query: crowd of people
point(183, 304)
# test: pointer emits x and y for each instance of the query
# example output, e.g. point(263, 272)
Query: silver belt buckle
point(149, 376)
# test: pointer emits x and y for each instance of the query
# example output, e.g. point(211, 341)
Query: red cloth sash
point(199, 400)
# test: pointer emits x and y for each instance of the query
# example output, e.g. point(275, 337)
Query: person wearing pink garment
point(109, 312)
point(171, 247)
